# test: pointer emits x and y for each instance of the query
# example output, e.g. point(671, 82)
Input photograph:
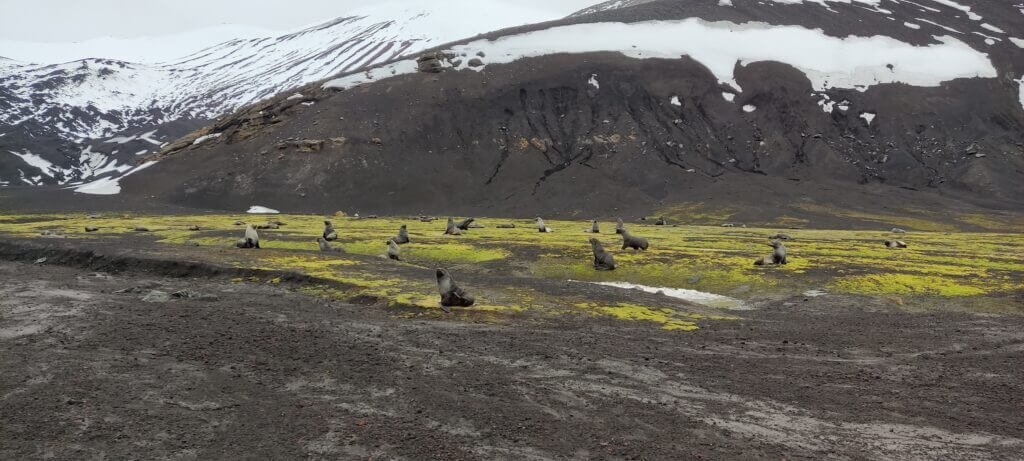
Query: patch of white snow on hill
point(724, 2)
point(1017, 41)
point(728, 96)
point(593, 82)
point(148, 137)
point(675, 101)
point(948, 29)
point(294, 97)
point(966, 9)
point(867, 116)
point(749, 108)
point(829, 62)
point(109, 185)
point(34, 160)
point(1020, 90)
point(912, 25)
point(205, 138)
point(256, 209)
point(826, 103)
point(992, 28)
point(823, 2)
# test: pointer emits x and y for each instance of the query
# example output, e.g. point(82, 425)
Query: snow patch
point(948, 29)
point(992, 28)
point(256, 209)
point(867, 116)
point(912, 25)
point(205, 138)
point(826, 103)
point(749, 108)
point(109, 185)
point(699, 297)
point(675, 101)
point(1020, 92)
point(294, 97)
point(724, 2)
point(593, 82)
point(966, 9)
point(1017, 41)
point(719, 45)
point(36, 161)
point(728, 96)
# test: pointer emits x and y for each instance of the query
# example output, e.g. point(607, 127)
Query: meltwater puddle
point(699, 297)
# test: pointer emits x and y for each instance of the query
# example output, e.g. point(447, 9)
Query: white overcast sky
point(76, 20)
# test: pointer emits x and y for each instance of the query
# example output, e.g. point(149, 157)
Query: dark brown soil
point(262, 372)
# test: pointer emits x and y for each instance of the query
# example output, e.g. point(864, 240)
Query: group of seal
point(603, 260)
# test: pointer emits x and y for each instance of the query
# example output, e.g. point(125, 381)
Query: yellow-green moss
point(666, 318)
point(904, 284)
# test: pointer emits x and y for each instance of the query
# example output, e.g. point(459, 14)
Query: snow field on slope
point(829, 62)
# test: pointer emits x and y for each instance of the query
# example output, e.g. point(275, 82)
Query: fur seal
point(329, 233)
point(193, 227)
point(619, 226)
point(427, 218)
point(450, 229)
point(251, 240)
point(451, 294)
point(661, 222)
point(326, 247)
point(897, 230)
point(541, 227)
point(91, 228)
point(464, 225)
point(394, 252)
point(268, 225)
point(603, 260)
point(779, 254)
point(631, 241)
point(141, 229)
point(780, 236)
point(594, 227)
point(506, 226)
point(403, 235)
point(895, 244)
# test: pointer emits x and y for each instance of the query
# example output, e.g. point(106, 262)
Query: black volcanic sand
point(258, 370)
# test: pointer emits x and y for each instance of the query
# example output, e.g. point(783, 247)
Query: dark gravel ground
point(259, 371)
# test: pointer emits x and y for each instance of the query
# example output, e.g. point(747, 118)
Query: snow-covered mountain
point(66, 122)
point(641, 103)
